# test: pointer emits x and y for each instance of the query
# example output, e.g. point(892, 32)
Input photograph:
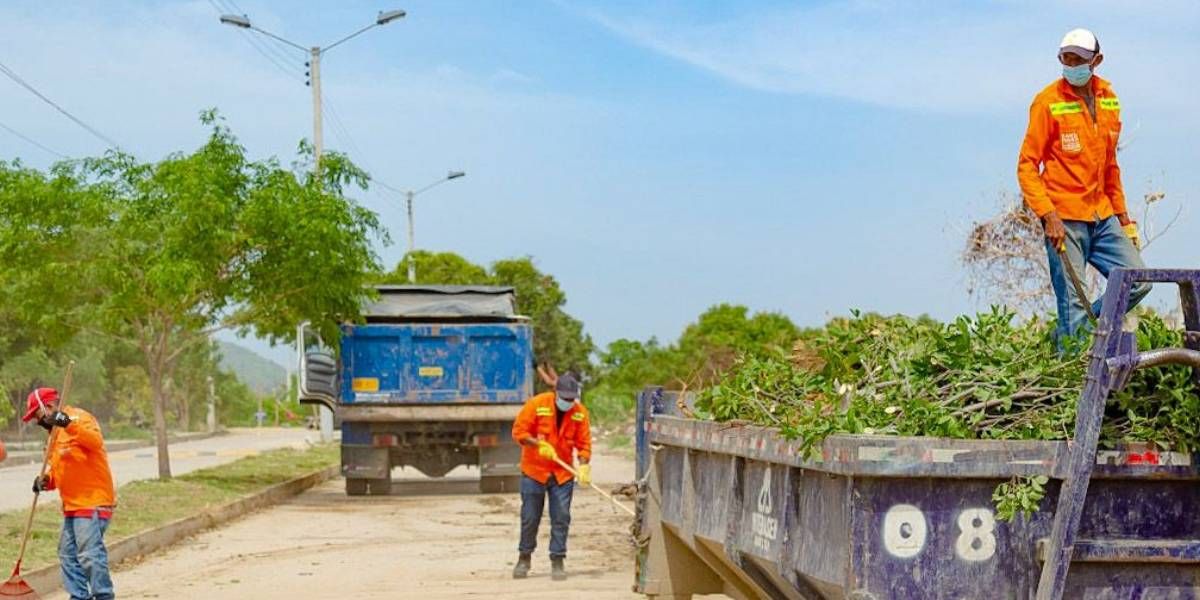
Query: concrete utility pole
point(212, 405)
point(314, 76)
point(409, 195)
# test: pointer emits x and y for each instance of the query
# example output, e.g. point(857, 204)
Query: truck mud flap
point(365, 462)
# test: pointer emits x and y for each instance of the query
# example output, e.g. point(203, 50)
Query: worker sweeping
point(1069, 177)
point(553, 425)
point(78, 469)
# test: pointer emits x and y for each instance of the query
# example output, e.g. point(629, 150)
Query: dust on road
point(430, 539)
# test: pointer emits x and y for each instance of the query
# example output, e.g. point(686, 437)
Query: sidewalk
point(31, 452)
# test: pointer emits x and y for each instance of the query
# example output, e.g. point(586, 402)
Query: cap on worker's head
point(567, 387)
point(1080, 42)
point(37, 399)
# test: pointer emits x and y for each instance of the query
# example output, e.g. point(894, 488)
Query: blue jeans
point(84, 559)
point(1104, 246)
point(533, 499)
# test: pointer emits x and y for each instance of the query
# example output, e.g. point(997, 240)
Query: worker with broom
point(1069, 177)
point(554, 430)
point(78, 469)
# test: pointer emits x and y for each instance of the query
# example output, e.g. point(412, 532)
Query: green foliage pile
point(987, 377)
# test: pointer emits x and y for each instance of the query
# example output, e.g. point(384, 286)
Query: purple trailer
point(735, 509)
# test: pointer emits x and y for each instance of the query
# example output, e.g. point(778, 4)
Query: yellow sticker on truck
point(431, 371)
point(365, 384)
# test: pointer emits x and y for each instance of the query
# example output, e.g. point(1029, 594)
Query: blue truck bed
point(432, 380)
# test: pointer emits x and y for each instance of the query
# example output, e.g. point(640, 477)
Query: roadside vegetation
point(144, 505)
point(129, 267)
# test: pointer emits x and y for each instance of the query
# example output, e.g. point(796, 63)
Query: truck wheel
point(356, 487)
point(500, 484)
point(380, 487)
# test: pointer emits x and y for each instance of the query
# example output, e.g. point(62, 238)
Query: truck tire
point(356, 487)
point(380, 487)
point(508, 484)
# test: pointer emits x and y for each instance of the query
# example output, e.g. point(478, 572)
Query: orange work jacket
point(79, 464)
point(1068, 161)
point(573, 438)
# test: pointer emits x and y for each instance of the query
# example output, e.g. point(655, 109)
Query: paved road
point(141, 463)
point(431, 539)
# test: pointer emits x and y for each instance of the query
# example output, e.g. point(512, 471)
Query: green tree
point(558, 338)
point(443, 268)
point(175, 250)
point(707, 348)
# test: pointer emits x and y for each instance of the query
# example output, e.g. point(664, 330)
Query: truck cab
point(432, 379)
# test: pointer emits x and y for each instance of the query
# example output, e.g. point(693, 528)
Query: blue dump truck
point(431, 380)
point(735, 508)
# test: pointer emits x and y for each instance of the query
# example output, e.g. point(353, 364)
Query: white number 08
point(905, 531)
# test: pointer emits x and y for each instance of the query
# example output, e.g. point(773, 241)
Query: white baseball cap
point(1080, 42)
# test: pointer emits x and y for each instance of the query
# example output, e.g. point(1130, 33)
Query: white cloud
point(937, 56)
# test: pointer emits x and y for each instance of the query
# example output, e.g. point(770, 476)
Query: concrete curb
point(18, 461)
point(49, 579)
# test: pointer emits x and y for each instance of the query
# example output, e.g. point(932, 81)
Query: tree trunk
point(160, 422)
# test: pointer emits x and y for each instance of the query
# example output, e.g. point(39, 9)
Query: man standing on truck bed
point(552, 425)
point(79, 471)
point(1069, 177)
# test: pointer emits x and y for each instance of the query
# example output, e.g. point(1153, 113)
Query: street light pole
point(412, 263)
point(409, 195)
point(314, 66)
point(314, 72)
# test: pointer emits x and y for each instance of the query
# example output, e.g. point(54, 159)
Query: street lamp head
point(386, 17)
point(236, 21)
point(455, 175)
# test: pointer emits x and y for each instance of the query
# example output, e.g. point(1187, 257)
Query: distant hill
point(261, 375)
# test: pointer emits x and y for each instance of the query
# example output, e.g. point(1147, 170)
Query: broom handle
point(595, 487)
point(62, 403)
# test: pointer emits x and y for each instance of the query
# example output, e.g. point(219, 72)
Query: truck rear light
point(385, 440)
point(487, 440)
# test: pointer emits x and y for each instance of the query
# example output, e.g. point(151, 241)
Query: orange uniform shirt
point(573, 438)
point(79, 464)
point(1068, 161)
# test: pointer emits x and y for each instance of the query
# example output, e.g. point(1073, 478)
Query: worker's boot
point(521, 571)
point(558, 572)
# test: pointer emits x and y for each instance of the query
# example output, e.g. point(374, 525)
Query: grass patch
point(147, 504)
point(126, 431)
point(611, 409)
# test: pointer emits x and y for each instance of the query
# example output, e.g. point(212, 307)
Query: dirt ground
point(429, 539)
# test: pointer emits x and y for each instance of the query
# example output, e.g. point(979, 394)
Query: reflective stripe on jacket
point(79, 464)
point(574, 437)
point(1068, 161)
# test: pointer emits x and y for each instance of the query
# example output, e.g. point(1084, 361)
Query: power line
point(31, 140)
point(92, 130)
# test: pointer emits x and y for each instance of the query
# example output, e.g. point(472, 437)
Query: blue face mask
point(563, 404)
point(1077, 75)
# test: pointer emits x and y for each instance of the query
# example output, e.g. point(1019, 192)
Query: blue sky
point(656, 157)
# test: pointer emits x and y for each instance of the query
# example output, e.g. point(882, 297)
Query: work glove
point(585, 474)
point(1131, 230)
point(546, 450)
point(61, 419)
point(40, 484)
